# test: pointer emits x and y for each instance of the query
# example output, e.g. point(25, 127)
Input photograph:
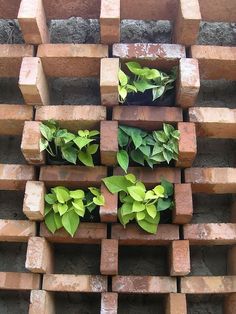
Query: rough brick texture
point(176, 303)
point(230, 304)
point(110, 21)
point(41, 302)
point(183, 210)
point(108, 212)
point(33, 205)
point(109, 257)
point(179, 258)
point(109, 303)
point(19, 281)
point(108, 142)
point(231, 265)
point(16, 230)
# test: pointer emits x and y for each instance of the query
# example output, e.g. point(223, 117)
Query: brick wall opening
point(10, 92)
point(12, 256)
point(14, 302)
point(205, 304)
point(10, 152)
point(11, 205)
point(139, 304)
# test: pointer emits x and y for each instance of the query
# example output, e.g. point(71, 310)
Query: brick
point(16, 230)
point(109, 81)
point(33, 23)
point(214, 122)
point(133, 235)
point(110, 21)
point(143, 284)
point(12, 118)
point(109, 142)
point(151, 177)
point(188, 83)
point(179, 258)
point(75, 283)
point(72, 60)
point(230, 304)
point(108, 212)
point(33, 83)
point(87, 233)
point(9, 10)
point(163, 56)
point(211, 180)
point(109, 303)
point(33, 204)
point(14, 177)
point(217, 10)
point(146, 117)
point(187, 22)
point(30, 144)
point(215, 62)
point(233, 212)
point(210, 233)
point(176, 303)
point(187, 144)
point(183, 210)
point(231, 265)
point(39, 256)
point(109, 257)
point(11, 58)
point(41, 302)
point(19, 281)
point(73, 118)
point(68, 176)
point(208, 284)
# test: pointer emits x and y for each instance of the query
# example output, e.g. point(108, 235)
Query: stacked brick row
point(33, 65)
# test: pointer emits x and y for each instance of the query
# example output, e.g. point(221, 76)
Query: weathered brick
point(211, 180)
point(187, 144)
point(68, 176)
point(208, 284)
point(108, 142)
point(75, 283)
point(188, 83)
point(230, 304)
point(231, 261)
point(13, 117)
point(39, 256)
point(16, 230)
point(214, 122)
point(133, 235)
point(33, 83)
point(143, 284)
point(183, 210)
point(218, 10)
point(14, 177)
point(109, 257)
point(33, 205)
point(91, 233)
point(33, 23)
point(109, 303)
point(72, 60)
point(179, 258)
point(41, 302)
point(146, 117)
point(211, 233)
point(109, 81)
point(19, 281)
point(110, 21)
point(176, 303)
point(108, 212)
point(30, 144)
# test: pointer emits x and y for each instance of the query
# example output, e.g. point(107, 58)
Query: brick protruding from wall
point(108, 212)
point(179, 258)
point(109, 257)
point(110, 21)
point(108, 142)
point(16, 230)
point(176, 303)
point(33, 205)
point(183, 210)
point(109, 303)
point(19, 281)
point(230, 304)
point(41, 302)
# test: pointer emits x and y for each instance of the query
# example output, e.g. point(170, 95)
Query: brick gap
point(10, 92)
point(12, 256)
point(10, 152)
point(11, 205)
point(205, 304)
point(14, 301)
point(140, 303)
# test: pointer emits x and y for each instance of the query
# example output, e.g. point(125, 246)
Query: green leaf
point(62, 194)
point(126, 209)
point(158, 157)
point(152, 74)
point(131, 89)
point(94, 191)
point(57, 219)
point(128, 199)
point(123, 79)
point(140, 215)
point(157, 92)
point(92, 149)
point(138, 207)
point(93, 133)
point(50, 198)
point(99, 200)
point(82, 141)
point(50, 222)
point(47, 209)
point(70, 221)
point(148, 227)
point(125, 219)
point(116, 184)
point(55, 207)
point(151, 210)
point(159, 190)
point(122, 92)
point(77, 194)
point(143, 85)
point(137, 138)
point(130, 177)
point(169, 187)
point(167, 155)
point(86, 159)
point(79, 211)
point(149, 195)
point(123, 159)
point(68, 137)
point(123, 139)
point(62, 208)
point(168, 129)
point(69, 154)
point(160, 136)
point(157, 149)
point(46, 132)
point(163, 204)
point(137, 156)
point(149, 162)
point(78, 204)
point(133, 67)
point(137, 193)
point(175, 134)
point(146, 150)
point(155, 220)
point(43, 144)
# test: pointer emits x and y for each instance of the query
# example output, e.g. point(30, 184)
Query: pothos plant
point(62, 144)
point(139, 204)
point(64, 208)
point(143, 79)
point(150, 148)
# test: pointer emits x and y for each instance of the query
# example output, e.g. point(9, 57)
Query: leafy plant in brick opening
point(63, 208)
point(139, 204)
point(141, 146)
point(143, 79)
point(62, 144)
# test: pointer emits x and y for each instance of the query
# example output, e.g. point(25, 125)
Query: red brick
point(12, 118)
point(211, 180)
point(231, 265)
point(143, 284)
point(72, 60)
point(183, 209)
point(109, 142)
point(108, 212)
point(9, 9)
point(41, 302)
point(110, 21)
point(133, 235)
point(16, 230)
point(109, 303)
point(109, 257)
point(88, 233)
point(214, 122)
point(72, 176)
point(14, 177)
point(75, 283)
point(19, 281)
point(230, 304)
point(217, 10)
point(179, 258)
point(176, 303)
point(211, 233)
point(33, 205)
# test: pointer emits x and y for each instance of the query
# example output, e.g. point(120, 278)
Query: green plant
point(60, 143)
point(143, 79)
point(139, 204)
point(63, 208)
point(141, 146)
